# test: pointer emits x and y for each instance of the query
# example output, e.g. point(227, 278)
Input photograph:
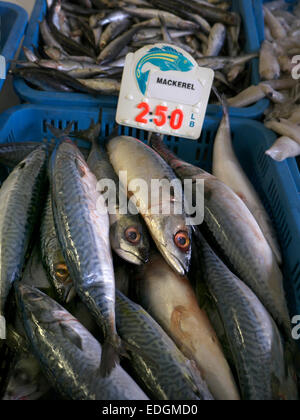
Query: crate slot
point(11, 137)
point(205, 154)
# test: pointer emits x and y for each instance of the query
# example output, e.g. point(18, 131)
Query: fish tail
point(2, 327)
point(61, 134)
point(112, 349)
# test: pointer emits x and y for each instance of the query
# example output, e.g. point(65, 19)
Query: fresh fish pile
point(83, 44)
point(279, 72)
point(120, 306)
point(282, 38)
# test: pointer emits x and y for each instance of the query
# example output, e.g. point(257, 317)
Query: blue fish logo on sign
point(166, 58)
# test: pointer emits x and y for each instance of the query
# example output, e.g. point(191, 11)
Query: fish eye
point(61, 272)
point(182, 240)
point(133, 235)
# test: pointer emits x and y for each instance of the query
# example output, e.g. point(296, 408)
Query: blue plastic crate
point(13, 22)
point(27, 94)
point(273, 181)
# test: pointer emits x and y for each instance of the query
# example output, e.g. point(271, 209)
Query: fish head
point(38, 156)
point(38, 307)
point(129, 239)
point(26, 381)
point(61, 279)
point(173, 239)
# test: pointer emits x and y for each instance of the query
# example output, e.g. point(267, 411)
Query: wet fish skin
point(136, 250)
point(276, 28)
point(52, 256)
point(82, 225)
point(209, 12)
point(19, 207)
point(269, 68)
point(227, 169)
point(164, 228)
point(13, 153)
point(48, 37)
point(26, 382)
point(68, 353)
point(115, 16)
point(112, 31)
point(53, 79)
point(218, 63)
point(170, 300)
point(233, 228)
point(216, 40)
point(70, 46)
point(171, 20)
point(104, 85)
point(253, 336)
point(165, 372)
point(284, 148)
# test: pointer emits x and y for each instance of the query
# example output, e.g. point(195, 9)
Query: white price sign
point(164, 90)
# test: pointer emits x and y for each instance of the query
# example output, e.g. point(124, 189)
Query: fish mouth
point(69, 294)
point(174, 261)
point(131, 257)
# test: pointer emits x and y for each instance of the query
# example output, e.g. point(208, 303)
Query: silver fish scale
point(156, 361)
point(85, 248)
point(248, 326)
point(241, 256)
point(51, 250)
point(19, 197)
point(74, 370)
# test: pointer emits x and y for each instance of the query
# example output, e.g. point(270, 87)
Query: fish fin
point(135, 349)
point(111, 351)
point(80, 168)
point(70, 334)
point(92, 133)
point(155, 140)
point(60, 134)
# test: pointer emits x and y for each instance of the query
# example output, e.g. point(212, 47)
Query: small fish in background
point(77, 36)
point(284, 148)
